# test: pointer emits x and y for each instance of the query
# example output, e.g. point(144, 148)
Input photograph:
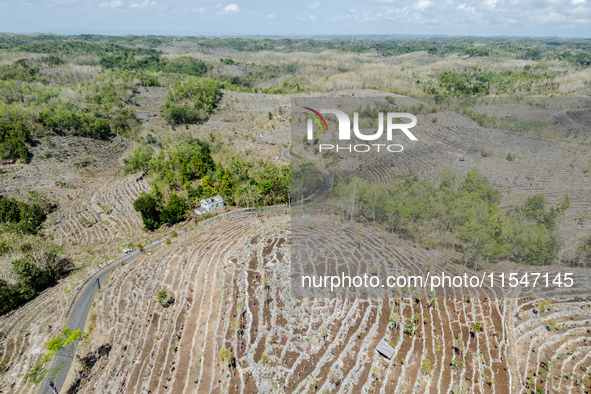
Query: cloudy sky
point(273, 17)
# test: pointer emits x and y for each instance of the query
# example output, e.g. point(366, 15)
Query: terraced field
point(100, 214)
point(24, 332)
point(230, 277)
point(174, 348)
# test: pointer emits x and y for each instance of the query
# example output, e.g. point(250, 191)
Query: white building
point(209, 204)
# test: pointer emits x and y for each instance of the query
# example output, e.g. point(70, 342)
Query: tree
point(175, 211)
point(583, 254)
point(542, 251)
point(149, 208)
point(565, 204)
point(208, 189)
point(475, 182)
point(8, 297)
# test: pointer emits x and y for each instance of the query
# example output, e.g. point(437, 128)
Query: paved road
point(78, 316)
point(79, 313)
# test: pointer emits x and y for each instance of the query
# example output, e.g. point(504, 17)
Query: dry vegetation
point(233, 326)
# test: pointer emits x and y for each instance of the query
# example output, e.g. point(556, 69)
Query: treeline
point(574, 50)
point(460, 214)
point(183, 172)
point(15, 41)
point(392, 46)
point(471, 83)
point(114, 56)
point(204, 94)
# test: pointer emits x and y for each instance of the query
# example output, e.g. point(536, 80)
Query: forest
point(460, 213)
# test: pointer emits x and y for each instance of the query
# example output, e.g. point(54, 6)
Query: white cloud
point(577, 2)
point(309, 18)
point(230, 9)
point(313, 6)
point(466, 7)
point(384, 1)
point(144, 4)
point(271, 16)
point(422, 4)
point(111, 4)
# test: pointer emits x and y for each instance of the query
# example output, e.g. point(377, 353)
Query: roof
point(200, 211)
point(211, 200)
point(385, 350)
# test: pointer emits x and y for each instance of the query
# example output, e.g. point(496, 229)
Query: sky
point(562, 18)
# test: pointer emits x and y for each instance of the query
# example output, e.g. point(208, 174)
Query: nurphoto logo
point(345, 130)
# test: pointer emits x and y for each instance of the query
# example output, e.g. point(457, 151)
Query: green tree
point(208, 189)
point(175, 210)
point(149, 208)
point(9, 297)
point(541, 250)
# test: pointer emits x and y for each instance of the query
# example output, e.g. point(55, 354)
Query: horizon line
point(248, 35)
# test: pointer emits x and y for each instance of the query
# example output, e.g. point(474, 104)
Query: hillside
point(92, 124)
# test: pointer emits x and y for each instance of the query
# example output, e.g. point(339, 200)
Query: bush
point(163, 300)
point(205, 94)
point(151, 82)
point(139, 159)
point(227, 357)
point(14, 136)
point(176, 115)
point(19, 216)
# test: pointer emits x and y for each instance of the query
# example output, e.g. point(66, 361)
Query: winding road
point(84, 298)
point(79, 313)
